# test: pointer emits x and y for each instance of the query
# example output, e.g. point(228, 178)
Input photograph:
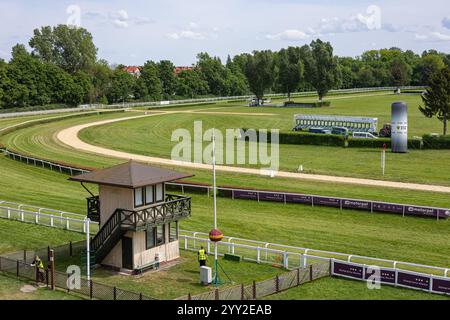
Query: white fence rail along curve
point(266, 195)
point(46, 217)
point(292, 256)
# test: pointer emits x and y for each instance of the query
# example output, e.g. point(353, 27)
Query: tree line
point(63, 68)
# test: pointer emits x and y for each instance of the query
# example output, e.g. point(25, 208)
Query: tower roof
point(131, 174)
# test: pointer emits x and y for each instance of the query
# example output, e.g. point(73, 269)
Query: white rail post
point(258, 254)
point(51, 221)
point(8, 213)
point(67, 224)
point(88, 253)
point(285, 260)
point(446, 273)
point(305, 258)
point(21, 212)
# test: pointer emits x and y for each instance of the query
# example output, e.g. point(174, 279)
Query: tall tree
point(259, 70)
point(428, 65)
point(149, 85)
point(401, 72)
point(324, 73)
point(290, 70)
point(167, 77)
point(3, 80)
point(70, 48)
point(122, 86)
point(437, 97)
point(190, 84)
point(213, 72)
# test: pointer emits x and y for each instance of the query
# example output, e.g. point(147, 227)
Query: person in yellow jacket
point(202, 256)
point(39, 269)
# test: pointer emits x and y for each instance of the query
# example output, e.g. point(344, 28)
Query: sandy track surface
point(70, 137)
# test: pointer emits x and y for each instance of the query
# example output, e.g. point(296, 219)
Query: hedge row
point(307, 104)
point(305, 138)
point(436, 142)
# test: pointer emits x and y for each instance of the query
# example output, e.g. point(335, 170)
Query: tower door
point(127, 253)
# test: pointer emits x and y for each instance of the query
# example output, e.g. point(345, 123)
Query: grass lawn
point(39, 141)
point(181, 278)
point(10, 290)
point(152, 137)
point(379, 235)
point(343, 289)
point(17, 236)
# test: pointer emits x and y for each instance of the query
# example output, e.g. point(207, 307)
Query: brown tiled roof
point(131, 174)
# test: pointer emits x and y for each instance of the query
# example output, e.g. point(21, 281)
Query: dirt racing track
point(70, 137)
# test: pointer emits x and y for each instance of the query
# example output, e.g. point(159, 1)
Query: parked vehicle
point(319, 130)
point(363, 135)
point(385, 132)
point(339, 130)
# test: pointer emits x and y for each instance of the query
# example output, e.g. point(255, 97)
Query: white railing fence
point(289, 257)
point(292, 256)
point(46, 217)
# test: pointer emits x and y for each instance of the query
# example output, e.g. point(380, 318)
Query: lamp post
point(215, 235)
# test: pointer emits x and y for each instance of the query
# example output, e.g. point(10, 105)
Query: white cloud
point(440, 36)
point(186, 34)
point(120, 18)
point(433, 36)
point(120, 23)
point(289, 35)
point(193, 31)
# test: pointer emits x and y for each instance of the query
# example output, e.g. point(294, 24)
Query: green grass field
point(40, 141)
point(378, 235)
point(10, 290)
point(152, 137)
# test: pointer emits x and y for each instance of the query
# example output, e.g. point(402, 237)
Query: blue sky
point(131, 32)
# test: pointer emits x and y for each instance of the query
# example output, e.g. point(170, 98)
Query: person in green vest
point(202, 256)
point(39, 269)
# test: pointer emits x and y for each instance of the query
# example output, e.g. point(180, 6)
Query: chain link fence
point(260, 289)
point(19, 264)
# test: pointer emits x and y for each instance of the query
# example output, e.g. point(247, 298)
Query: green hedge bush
point(305, 138)
point(436, 142)
point(307, 104)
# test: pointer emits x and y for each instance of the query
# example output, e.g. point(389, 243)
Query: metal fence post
point(70, 249)
point(52, 268)
point(25, 256)
point(298, 276)
point(91, 289)
point(216, 294)
point(242, 292)
point(17, 268)
point(311, 276)
point(114, 293)
point(254, 289)
point(277, 284)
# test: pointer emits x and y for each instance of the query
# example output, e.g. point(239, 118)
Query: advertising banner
point(356, 204)
point(250, 195)
point(441, 285)
point(386, 276)
point(271, 196)
point(329, 202)
point(298, 198)
point(348, 270)
point(387, 207)
point(413, 280)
